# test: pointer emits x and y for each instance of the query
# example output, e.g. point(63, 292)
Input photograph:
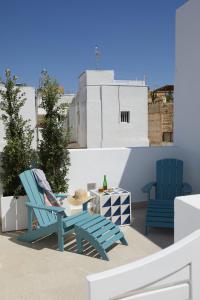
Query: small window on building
point(125, 116)
point(168, 137)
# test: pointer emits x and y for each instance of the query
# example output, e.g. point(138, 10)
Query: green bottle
point(105, 184)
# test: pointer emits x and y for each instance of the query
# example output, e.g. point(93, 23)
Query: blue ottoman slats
point(112, 240)
point(103, 230)
point(101, 235)
point(98, 226)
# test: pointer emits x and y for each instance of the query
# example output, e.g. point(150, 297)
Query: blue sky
point(134, 37)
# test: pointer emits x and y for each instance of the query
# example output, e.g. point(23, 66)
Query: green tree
point(169, 97)
point(153, 96)
point(53, 152)
point(17, 153)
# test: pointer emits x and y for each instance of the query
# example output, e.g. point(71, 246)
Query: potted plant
point(52, 151)
point(16, 155)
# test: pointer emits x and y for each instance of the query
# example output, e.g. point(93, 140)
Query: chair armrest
point(147, 188)
point(61, 195)
point(55, 209)
point(85, 204)
point(186, 188)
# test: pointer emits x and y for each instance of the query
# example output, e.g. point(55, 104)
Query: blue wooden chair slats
point(94, 228)
point(169, 178)
point(164, 212)
point(169, 203)
point(44, 217)
point(163, 219)
point(160, 224)
point(161, 209)
point(169, 184)
point(71, 220)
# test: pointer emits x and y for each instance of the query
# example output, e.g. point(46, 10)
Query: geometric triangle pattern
point(116, 201)
point(116, 210)
point(126, 220)
point(114, 205)
point(108, 212)
point(107, 202)
point(126, 200)
point(116, 220)
point(125, 209)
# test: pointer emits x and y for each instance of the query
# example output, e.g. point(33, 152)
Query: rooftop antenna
point(97, 57)
point(42, 73)
point(145, 79)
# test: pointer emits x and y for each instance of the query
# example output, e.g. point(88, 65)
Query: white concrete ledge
point(187, 215)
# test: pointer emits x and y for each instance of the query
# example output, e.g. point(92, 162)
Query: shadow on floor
point(50, 242)
point(163, 237)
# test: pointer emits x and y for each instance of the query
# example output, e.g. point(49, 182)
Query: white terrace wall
point(129, 168)
point(187, 92)
point(186, 208)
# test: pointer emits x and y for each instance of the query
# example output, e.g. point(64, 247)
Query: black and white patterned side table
point(114, 205)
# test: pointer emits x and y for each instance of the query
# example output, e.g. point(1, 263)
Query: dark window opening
point(167, 137)
point(125, 116)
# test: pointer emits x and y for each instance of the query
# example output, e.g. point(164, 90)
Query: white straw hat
point(80, 196)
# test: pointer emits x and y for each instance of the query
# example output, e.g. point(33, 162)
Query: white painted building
point(28, 111)
point(187, 94)
point(108, 112)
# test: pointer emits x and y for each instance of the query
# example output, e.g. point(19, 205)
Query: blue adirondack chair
point(168, 185)
point(99, 231)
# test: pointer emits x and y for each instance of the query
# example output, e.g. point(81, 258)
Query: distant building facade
point(109, 113)
point(104, 113)
point(160, 111)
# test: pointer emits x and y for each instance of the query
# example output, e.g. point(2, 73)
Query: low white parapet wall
point(187, 216)
point(172, 273)
point(128, 168)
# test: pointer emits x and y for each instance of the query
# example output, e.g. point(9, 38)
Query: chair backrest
point(36, 196)
point(169, 178)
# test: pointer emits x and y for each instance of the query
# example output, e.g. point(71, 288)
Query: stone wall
point(160, 122)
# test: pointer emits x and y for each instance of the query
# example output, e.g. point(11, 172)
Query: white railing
point(172, 273)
